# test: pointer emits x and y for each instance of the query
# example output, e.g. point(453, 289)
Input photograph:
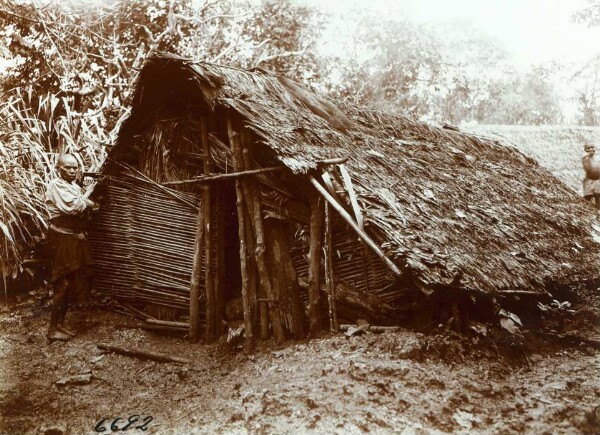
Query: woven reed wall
point(360, 276)
point(142, 241)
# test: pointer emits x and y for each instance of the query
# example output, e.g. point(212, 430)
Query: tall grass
point(34, 130)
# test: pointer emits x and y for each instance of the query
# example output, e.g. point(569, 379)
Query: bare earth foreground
point(401, 382)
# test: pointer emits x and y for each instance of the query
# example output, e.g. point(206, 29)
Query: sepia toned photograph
point(299, 217)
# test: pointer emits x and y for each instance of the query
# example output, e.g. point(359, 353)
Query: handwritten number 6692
point(132, 419)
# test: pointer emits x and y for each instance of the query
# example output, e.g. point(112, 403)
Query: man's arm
point(66, 199)
point(586, 161)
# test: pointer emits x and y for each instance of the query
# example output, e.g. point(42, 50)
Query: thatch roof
point(448, 207)
point(558, 148)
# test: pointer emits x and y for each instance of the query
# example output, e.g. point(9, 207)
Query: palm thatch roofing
point(449, 208)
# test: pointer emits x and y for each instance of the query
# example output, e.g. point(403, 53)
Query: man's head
point(589, 149)
point(67, 167)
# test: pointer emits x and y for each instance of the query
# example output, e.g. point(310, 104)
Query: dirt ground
point(395, 382)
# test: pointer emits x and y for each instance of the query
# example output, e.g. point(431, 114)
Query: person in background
point(591, 182)
point(69, 252)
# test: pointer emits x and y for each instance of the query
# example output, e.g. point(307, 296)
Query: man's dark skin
point(591, 183)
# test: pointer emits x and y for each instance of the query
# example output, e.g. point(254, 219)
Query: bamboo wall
point(363, 282)
point(142, 244)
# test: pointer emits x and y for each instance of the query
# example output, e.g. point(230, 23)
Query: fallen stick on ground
point(372, 328)
point(167, 323)
point(144, 354)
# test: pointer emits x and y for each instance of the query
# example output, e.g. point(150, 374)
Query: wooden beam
point(219, 280)
point(521, 292)
point(314, 266)
point(248, 333)
point(195, 279)
point(260, 308)
point(144, 354)
point(364, 236)
point(327, 179)
point(259, 255)
point(230, 175)
point(329, 277)
point(167, 323)
point(353, 199)
point(142, 177)
point(211, 315)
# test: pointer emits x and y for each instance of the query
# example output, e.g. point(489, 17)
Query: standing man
point(591, 182)
point(70, 257)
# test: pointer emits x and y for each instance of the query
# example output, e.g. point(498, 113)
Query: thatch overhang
point(451, 209)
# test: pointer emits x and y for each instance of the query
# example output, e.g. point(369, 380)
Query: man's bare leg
point(61, 322)
point(58, 308)
point(74, 282)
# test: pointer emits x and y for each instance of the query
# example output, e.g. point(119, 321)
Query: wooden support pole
point(364, 236)
point(283, 276)
point(353, 199)
point(260, 308)
point(253, 287)
point(206, 208)
point(329, 277)
point(259, 255)
point(219, 281)
point(195, 280)
point(231, 175)
point(249, 332)
point(314, 267)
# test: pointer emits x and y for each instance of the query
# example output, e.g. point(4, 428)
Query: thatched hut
point(228, 184)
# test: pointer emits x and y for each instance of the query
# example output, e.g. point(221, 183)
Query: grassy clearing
point(557, 148)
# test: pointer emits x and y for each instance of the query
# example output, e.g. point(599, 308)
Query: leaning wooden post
point(314, 267)
point(364, 236)
point(206, 207)
point(195, 281)
point(249, 333)
point(329, 281)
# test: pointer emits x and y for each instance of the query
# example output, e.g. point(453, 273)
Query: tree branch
point(279, 56)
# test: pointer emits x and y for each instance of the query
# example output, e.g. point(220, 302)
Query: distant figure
point(591, 182)
point(69, 251)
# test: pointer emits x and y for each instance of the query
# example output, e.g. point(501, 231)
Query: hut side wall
point(364, 286)
point(142, 244)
